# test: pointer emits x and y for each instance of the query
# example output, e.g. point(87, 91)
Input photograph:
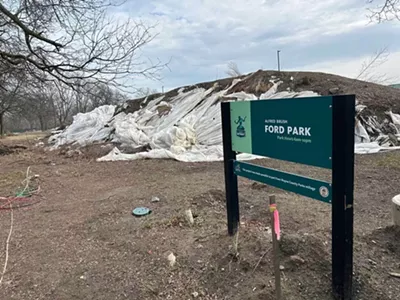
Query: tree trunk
point(60, 121)
point(1, 124)
point(41, 121)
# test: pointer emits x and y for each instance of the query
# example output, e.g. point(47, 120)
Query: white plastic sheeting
point(191, 132)
point(395, 118)
point(365, 144)
point(360, 134)
point(186, 128)
point(372, 147)
point(196, 154)
point(86, 128)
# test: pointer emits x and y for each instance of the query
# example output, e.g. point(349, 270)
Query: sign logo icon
point(240, 130)
point(324, 192)
point(237, 168)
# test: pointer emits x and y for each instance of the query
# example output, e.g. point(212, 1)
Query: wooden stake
point(275, 245)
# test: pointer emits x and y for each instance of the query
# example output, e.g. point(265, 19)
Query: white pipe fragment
point(189, 216)
point(396, 210)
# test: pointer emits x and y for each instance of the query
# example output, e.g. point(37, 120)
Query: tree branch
point(27, 31)
point(59, 40)
point(387, 10)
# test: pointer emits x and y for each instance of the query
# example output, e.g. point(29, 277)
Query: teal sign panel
point(305, 186)
point(297, 130)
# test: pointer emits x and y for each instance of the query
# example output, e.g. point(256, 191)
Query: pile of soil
point(378, 98)
point(374, 101)
point(6, 150)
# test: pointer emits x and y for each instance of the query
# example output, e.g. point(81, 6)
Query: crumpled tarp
point(86, 128)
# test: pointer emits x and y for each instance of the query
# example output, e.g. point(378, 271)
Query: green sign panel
point(308, 187)
point(297, 130)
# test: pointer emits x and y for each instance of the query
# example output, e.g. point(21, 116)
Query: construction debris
point(396, 210)
point(189, 216)
point(155, 199)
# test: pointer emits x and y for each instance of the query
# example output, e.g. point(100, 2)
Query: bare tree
point(368, 68)
point(102, 94)
point(10, 98)
point(144, 92)
point(233, 70)
point(82, 100)
point(71, 40)
point(384, 10)
point(64, 102)
point(38, 108)
point(48, 105)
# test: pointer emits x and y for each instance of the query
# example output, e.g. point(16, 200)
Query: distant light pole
point(279, 62)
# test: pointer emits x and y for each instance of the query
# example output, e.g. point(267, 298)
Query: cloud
point(202, 36)
point(388, 71)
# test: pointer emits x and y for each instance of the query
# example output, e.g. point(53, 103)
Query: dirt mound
point(6, 150)
point(387, 238)
point(378, 98)
point(377, 105)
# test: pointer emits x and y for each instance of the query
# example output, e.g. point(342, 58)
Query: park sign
point(297, 130)
point(314, 131)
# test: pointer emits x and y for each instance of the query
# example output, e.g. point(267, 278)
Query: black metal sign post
point(231, 184)
point(343, 111)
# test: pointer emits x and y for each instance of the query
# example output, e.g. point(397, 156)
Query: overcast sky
point(202, 36)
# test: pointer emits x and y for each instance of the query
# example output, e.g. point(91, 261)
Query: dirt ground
point(79, 239)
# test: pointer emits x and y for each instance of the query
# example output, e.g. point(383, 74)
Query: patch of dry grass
point(389, 160)
point(27, 136)
point(10, 182)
